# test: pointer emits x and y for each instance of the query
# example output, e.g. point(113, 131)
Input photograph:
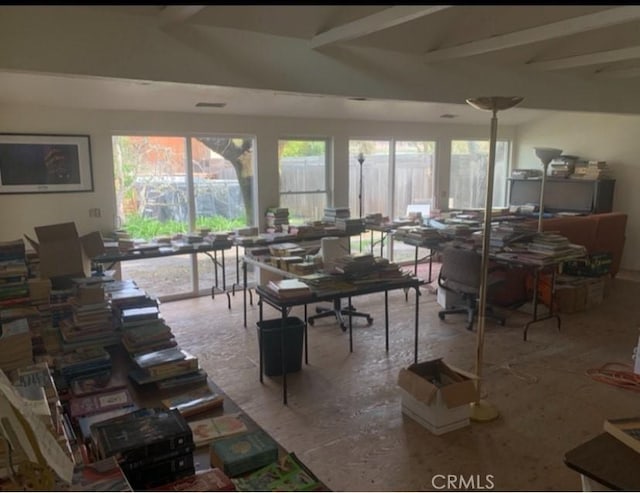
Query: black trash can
point(271, 345)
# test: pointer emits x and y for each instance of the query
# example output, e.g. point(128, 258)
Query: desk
point(284, 305)
point(608, 461)
point(209, 249)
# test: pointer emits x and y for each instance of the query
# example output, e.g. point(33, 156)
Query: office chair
point(460, 274)
point(339, 312)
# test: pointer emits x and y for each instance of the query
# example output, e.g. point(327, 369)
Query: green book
point(243, 453)
point(286, 474)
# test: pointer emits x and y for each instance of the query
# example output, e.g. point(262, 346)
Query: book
point(97, 383)
point(210, 480)
point(627, 430)
point(139, 435)
point(209, 429)
point(95, 403)
point(194, 401)
point(161, 472)
point(286, 474)
point(85, 422)
point(102, 475)
point(239, 454)
point(199, 376)
point(168, 355)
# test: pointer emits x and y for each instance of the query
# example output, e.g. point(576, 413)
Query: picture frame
point(45, 163)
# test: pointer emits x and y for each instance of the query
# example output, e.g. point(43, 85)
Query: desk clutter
point(96, 394)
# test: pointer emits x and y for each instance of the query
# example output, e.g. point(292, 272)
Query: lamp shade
point(494, 103)
point(547, 154)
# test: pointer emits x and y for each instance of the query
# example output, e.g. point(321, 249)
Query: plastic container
point(272, 345)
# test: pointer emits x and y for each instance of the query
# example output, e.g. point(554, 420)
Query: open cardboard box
point(437, 395)
point(63, 254)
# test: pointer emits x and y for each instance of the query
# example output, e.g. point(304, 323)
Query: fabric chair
point(460, 274)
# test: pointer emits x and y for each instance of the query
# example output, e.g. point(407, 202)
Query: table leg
point(282, 357)
point(350, 328)
point(535, 318)
point(260, 341)
point(306, 349)
point(386, 319)
point(244, 293)
point(415, 345)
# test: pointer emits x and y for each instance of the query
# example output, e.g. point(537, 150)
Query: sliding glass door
point(168, 185)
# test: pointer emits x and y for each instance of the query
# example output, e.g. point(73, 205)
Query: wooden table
point(606, 460)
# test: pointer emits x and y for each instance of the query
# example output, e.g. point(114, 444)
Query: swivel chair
point(460, 274)
point(339, 312)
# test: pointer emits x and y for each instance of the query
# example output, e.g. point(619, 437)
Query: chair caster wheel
point(441, 316)
point(318, 309)
point(369, 320)
point(343, 327)
point(310, 321)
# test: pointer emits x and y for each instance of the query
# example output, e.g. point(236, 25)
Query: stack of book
point(81, 363)
point(152, 446)
point(147, 336)
point(331, 214)
point(286, 474)
point(91, 323)
point(14, 289)
point(277, 218)
point(355, 265)
point(350, 226)
point(208, 480)
point(592, 170)
point(15, 345)
point(375, 218)
point(206, 430)
point(289, 288)
point(163, 364)
point(195, 401)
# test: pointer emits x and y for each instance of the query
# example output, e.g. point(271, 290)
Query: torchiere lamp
point(546, 155)
point(481, 410)
point(361, 161)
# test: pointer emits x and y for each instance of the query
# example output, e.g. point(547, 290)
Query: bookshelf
point(564, 194)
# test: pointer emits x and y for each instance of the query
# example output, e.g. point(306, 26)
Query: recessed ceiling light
point(210, 105)
point(448, 115)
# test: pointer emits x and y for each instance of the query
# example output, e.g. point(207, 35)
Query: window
point(303, 178)
point(167, 185)
point(468, 178)
point(392, 183)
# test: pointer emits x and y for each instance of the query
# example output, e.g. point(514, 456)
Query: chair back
point(460, 270)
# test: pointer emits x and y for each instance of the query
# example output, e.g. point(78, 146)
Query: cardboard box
point(437, 395)
point(449, 299)
point(63, 254)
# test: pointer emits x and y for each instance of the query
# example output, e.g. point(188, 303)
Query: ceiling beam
point(598, 58)
point(384, 19)
point(536, 34)
point(619, 73)
point(171, 14)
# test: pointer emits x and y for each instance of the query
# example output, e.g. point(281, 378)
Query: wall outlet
point(94, 212)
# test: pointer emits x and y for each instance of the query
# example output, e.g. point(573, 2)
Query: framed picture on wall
point(39, 163)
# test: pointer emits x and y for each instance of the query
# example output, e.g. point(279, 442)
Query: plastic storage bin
point(271, 344)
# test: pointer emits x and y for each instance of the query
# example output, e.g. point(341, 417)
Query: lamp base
point(483, 411)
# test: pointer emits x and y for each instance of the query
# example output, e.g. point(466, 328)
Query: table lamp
point(546, 155)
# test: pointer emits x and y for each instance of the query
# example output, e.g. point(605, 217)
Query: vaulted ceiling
point(411, 62)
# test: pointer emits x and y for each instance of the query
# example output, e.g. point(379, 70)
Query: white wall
point(20, 213)
point(611, 138)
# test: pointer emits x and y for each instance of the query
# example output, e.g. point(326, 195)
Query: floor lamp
point(361, 161)
point(546, 155)
point(482, 410)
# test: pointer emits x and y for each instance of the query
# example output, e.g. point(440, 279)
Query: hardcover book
point(199, 376)
point(627, 430)
point(195, 401)
point(210, 480)
point(286, 474)
point(93, 404)
point(207, 430)
point(242, 453)
point(162, 472)
point(139, 435)
point(85, 422)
